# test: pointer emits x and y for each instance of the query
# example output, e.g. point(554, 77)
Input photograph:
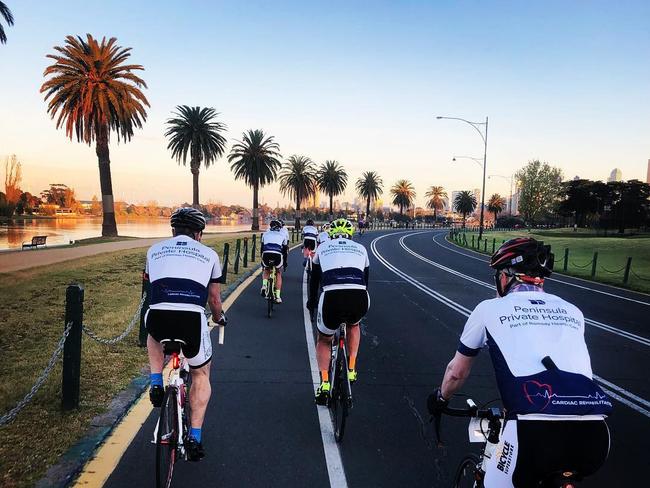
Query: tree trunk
point(464, 216)
point(109, 227)
point(297, 223)
point(368, 208)
point(435, 214)
point(194, 167)
point(495, 218)
point(256, 218)
point(331, 207)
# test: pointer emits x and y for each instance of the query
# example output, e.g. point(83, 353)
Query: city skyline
point(352, 91)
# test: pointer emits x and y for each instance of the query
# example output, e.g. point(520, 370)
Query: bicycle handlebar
point(472, 410)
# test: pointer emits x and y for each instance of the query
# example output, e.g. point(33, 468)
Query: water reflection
point(64, 230)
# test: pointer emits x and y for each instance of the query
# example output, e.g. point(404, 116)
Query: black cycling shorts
point(309, 244)
point(341, 306)
point(271, 260)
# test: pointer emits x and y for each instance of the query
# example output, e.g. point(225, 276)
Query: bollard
point(74, 311)
point(593, 265)
point(224, 269)
point(245, 263)
point(494, 244)
point(237, 256)
point(142, 336)
point(626, 276)
point(485, 245)
point(253, 247)
point(472, 241)
point(566, 258)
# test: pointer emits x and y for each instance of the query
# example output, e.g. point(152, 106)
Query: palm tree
point(94, 92)
point(403, 194)
point(436, 199)
point(465, 203)
point(369, 186)
point(332, 180)
point(195, 130)
point(298, 180)
point(496, 204)
point(255, 160)
point(9, 19)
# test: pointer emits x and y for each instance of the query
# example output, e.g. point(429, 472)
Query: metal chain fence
point(116, 339)
point(580, 266)
point(9, 416)
point(612, 272)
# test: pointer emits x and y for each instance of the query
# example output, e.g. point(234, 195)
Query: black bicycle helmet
point(275, 224)
point(525, 260)
point(189, 218)
point(309, 222)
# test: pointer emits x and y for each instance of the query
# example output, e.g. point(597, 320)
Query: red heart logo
point(538, 394)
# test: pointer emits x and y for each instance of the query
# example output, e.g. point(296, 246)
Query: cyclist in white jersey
point(341, 266)
point(274, 248)
point(323, 235)
point(554, 410)
point(309, 237)
point(184, 274)
point(285, 232)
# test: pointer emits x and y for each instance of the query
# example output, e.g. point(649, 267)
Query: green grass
point(31, 324)
point(612, 254)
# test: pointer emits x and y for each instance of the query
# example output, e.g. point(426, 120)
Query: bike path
point(629, 428)
point(261, 425)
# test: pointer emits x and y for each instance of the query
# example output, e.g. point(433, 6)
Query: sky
point(360, 82)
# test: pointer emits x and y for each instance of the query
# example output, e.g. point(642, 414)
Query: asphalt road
point(262, 427)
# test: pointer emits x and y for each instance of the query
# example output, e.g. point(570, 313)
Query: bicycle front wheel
point(339, 401)
point(467, 475)
point(167, 439)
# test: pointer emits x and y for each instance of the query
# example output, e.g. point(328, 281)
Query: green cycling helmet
point(341, 228)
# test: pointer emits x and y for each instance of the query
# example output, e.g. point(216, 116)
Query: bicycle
point(340, 401)
point(270, 291)
point(173, 424)
point(471, 469)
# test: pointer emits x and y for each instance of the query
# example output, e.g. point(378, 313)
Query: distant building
point(576, 178)
point(615, 175)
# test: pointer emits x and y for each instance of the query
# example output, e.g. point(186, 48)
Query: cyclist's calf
point(200, 392)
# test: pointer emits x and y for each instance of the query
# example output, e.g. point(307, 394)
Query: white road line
point(333, 460)
point(614, 295)
point(609, 328)
point(466, 312)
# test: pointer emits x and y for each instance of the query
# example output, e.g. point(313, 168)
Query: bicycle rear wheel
point(466, 475)
point(167, 439)
point(270, 297)
point(339, 401)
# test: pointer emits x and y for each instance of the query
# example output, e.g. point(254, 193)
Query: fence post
point(237, 256)
point(485, 245)
point(472, 241)
point(142, 336)
point(226, 253)
point(74, 310)
point(494, 244)
point(593, 265)
point(245, 263)
point(626, 276)
point(253, 247)
point(566, 258)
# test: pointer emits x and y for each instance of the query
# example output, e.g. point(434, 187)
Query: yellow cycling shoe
point(323, 393)
point(352, 375)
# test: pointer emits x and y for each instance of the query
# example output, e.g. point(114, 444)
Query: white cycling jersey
point(322, 237)
point(273, 240)
point(309, 232)
point(343, 263)
point(285, 233)
point(520, 330)
point(180, 270)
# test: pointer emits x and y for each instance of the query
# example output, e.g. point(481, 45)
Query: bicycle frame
point(339, 357)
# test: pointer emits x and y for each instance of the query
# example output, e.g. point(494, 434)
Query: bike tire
point(167, 439)
point(465, 476)
point(340, 397)
point(270, 298)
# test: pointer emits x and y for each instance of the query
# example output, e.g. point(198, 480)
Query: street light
point(511, 178)
point(476, 126)
point(478, 161)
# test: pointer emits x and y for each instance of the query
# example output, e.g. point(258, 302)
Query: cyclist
point(362, 225)
point(285, 256)
point(309, 237)
point(323, 234)
point(183, 274)
point(274, 248)
point(341, 266)
point(554, 410)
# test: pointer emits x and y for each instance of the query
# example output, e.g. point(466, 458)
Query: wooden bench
point(36, 241)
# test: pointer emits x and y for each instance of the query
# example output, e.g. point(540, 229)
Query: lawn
point(613, 253)
point(30, 327)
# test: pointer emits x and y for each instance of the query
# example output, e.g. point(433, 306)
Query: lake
point(64, 230)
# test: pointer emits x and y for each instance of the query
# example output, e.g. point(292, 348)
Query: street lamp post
point(484, 137)
point(511, 179)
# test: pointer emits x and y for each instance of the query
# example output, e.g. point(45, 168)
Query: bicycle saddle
point(561, 479)
point(171, 346)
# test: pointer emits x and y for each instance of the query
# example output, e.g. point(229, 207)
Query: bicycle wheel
point(167, 439)
point(466, 473)
point(270, 295)
point(339, 401)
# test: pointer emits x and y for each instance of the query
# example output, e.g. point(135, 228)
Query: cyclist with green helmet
point(341, 267)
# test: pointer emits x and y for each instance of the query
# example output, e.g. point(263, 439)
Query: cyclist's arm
point(457, 372)
point(214, 300)
point(314, 282)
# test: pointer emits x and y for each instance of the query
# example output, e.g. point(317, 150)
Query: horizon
point(346, 82)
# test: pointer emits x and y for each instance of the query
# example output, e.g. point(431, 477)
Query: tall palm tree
point(195, 130)
point(332, 180)
point(255, 160)
point(403, 194)
point(9, 19)
point(94, 92)
point(298, 180)
point(436, 199)
point(465, 203)
point(495, 205)
point(369, 186)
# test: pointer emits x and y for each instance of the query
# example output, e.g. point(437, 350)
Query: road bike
point(309, 265)
point(471, 469)
point(340, 401)
point(173, 424)
point(270, 291)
